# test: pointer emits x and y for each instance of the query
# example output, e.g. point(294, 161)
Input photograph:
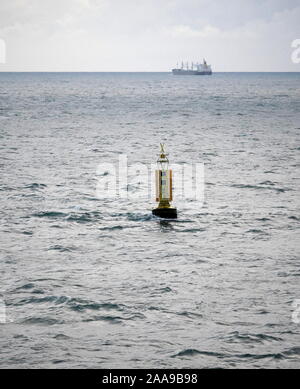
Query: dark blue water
point(100, 283)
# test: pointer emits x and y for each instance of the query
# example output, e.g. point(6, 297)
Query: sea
point(95, 281)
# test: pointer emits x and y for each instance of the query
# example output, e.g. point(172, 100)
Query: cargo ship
point(197, 69)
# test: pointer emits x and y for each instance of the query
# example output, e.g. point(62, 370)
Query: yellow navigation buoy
point(163, 184)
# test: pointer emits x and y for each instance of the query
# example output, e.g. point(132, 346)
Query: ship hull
point(180, 72)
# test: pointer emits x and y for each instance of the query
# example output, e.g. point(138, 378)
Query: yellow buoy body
point(163, 185)
point(163, 181)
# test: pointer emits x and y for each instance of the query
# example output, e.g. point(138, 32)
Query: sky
point(148, 35)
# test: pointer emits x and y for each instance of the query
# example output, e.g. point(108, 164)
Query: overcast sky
point(148, 35)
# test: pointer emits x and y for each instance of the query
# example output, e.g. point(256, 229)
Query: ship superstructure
point(198, 69)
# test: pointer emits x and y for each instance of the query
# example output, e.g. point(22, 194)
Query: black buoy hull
point(166, 213)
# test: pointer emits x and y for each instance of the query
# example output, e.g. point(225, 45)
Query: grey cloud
point(148, 34)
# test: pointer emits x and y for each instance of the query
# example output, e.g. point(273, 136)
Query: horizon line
point(141, 71)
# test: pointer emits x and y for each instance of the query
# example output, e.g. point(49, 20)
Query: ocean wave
point(139, 216)
point(193, 230)
point(293, 217)
point(158, 291)
point(115, 319)
point(34, 300)
point(29, 285)
point(45, 321)
point(29, 233)
point(237, 337)
point(58, 361)
point(263, 219)
point(50, 214)
point(83, 305)
point(267, 183)
point(231, 356)
point(62, 249)
point(111, 228)
point(256, 231)
point(134, 216)
point(85, 217)
point(5, 188)
point(260, 187)
point(191, 352)
point(294, 351)
point(35, 185)
point(61, 337)
point(73, 303)
point(191, 315)
point(260, 356)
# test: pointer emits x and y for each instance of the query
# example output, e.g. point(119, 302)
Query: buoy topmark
point(163, 184)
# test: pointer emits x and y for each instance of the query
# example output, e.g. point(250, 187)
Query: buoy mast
point(163, 185)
